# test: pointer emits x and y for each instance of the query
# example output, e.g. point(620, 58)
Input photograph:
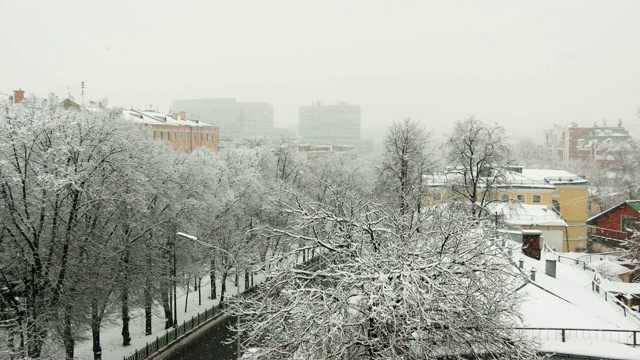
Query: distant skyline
point(523, 64)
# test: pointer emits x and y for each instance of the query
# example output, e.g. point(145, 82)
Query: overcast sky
point(523, 64)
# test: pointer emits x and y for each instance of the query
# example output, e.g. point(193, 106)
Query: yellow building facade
point(566, 193)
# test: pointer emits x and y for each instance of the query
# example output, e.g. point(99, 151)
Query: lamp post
point(194, 238)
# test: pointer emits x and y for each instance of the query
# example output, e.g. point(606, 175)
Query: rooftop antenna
point(82, 84)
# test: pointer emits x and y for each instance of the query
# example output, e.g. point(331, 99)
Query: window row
point(184, 135)
point(437, 196)
point(521, 198)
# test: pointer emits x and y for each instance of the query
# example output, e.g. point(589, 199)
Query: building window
point(201, 136)
point(188, 136)
point(537, 198)
point(504, 197)
point(181, 135)
point(521, 198)
point(168, 135)
point(154, 135)
point(556, 205)
point(175, 135)
point(437, 196)
point(629, 223)
point(161, 135)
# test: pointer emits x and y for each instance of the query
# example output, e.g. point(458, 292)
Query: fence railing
point(613, 300)
point(309, 257)
point(612, 256)
point(177, 332)
point(626, 337)
point(596, 287)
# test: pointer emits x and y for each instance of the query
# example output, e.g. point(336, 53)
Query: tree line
point(91, 207)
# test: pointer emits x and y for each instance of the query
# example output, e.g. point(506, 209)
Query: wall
point(187, 138)
point(609, 224)
point(574, 210)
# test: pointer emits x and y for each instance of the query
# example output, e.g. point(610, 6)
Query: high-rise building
point(234, 119)
point(329, 124)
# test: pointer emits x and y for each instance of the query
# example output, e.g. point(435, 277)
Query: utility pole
point(82, 85)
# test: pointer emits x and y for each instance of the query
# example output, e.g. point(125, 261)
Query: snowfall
point(566, 301)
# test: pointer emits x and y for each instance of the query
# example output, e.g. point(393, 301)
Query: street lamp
point(231, 256)
point(194, 238)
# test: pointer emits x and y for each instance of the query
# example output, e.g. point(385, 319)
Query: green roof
point(635, 204)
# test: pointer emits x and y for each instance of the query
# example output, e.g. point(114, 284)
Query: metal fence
point(309, 257)
point(597, 288)
point(177, 332)
point(626, 337)
point(613, 300)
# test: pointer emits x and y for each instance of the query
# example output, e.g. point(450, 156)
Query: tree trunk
point(148, 299)
point(223, 286)
point(166, 292)
point(246, 280)
point(186, 298)
point(166, 305)
point(35, 340)
point(124, 299)
point(67, 335)
point(95, 329)
point(126, 335)
point(199, 290)
point(235, 281)
point(212, 275)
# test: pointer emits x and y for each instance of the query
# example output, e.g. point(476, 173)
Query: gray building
point(234, 119)
point(329, 124)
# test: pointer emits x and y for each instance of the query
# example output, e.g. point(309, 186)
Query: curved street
point(207, 343)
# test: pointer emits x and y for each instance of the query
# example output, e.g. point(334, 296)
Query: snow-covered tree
point(61, 173)
point(406, 159)
point(382, 291)
point(477, 155)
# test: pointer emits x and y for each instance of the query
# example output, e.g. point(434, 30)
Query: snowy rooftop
point(567, 301)
point(524, 214)
point(554, 177)
point(609, 267)
point(155, 118)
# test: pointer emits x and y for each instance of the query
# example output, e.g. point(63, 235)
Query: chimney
point(174, 116)
point(531, 243)
point(183, 115)
point(18, 95)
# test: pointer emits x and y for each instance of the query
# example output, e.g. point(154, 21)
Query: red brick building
point(612, 229)
point(586, 143)
point(181, 133)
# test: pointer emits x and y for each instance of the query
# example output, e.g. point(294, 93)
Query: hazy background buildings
point(525, 65)
point(234, 119)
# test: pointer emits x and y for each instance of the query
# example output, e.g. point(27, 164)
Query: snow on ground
point(111, 337)
point(566, 301)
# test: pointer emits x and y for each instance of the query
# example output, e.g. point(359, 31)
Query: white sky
point(523, 64)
